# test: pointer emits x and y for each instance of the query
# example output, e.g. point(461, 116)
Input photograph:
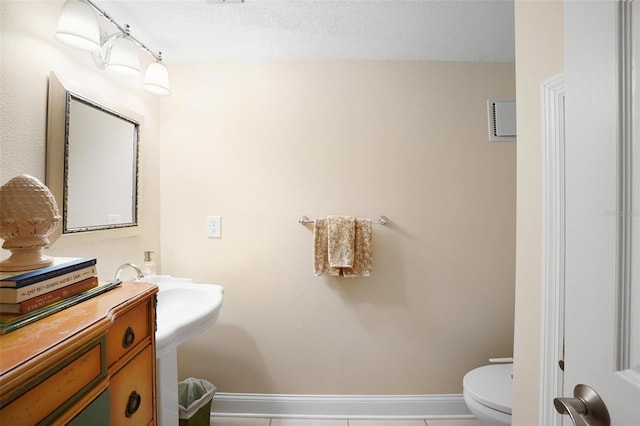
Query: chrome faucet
point(132, 266)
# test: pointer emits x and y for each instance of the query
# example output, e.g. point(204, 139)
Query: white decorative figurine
point(28, 215)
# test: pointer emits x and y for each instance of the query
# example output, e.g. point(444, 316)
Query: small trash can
point(194, 402)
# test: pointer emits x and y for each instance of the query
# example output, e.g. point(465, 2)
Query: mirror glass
point(100, 161)
point(92, 160)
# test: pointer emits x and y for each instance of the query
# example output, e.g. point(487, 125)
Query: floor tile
point(308, 422)
point(239, 421)
point(386, 422)
point(453, 422)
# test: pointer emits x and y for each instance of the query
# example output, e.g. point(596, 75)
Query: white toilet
point(487, 393)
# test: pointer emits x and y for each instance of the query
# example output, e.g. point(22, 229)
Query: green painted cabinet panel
point(96, 414)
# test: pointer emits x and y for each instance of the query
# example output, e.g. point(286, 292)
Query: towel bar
point(382, 220)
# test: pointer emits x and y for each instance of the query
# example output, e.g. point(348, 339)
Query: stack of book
point(30, 295)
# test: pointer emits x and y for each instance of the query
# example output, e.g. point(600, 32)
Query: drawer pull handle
point(129, 338)
point(133, 404)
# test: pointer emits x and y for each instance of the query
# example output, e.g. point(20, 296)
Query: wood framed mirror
point(92, 162)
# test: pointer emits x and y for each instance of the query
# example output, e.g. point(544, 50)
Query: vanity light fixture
point(119, 52)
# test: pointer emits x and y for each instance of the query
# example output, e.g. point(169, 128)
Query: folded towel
point(363, 250)
point(321, 251)
point(341, 230)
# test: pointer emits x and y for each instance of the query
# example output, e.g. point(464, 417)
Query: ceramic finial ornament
point(28, 215)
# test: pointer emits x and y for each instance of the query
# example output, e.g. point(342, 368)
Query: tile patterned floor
point(246, 421)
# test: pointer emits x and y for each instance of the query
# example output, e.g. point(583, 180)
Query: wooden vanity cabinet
point(91, 364)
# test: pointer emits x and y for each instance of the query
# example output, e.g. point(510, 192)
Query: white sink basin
point(185, 309)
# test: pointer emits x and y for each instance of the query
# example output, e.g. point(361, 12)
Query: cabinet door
point(95, 414)
point(132, 392)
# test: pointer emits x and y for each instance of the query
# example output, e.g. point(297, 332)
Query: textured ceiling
point(436, 30)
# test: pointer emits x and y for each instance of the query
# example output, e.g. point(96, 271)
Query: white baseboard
point(340, 406)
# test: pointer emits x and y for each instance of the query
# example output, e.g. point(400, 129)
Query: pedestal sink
point(185, 309)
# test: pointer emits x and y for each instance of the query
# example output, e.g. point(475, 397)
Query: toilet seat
point(491, 386)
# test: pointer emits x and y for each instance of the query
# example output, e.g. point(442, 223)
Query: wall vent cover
point(502, 120)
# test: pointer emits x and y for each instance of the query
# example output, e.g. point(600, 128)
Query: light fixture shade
point(78, 26)
point(124, 57)
point(156, 79)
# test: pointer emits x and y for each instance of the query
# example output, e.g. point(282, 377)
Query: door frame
point(553, 246)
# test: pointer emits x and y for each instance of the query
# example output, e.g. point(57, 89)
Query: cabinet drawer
point(127, 331)
point(132, 392)
point(47, 396)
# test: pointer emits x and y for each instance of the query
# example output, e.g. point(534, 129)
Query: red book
point(49, 298)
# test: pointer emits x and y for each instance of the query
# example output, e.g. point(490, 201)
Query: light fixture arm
point(124, 31)
point(101, 57)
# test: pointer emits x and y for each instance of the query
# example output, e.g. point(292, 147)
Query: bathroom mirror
point(92, 161)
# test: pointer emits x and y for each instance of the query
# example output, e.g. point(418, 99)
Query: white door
point(602, 160)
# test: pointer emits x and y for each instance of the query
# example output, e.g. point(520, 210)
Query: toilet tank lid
point(491, 385)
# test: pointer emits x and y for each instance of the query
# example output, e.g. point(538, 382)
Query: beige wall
point(539, 56)
point(28, 52)
point(262, 143)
